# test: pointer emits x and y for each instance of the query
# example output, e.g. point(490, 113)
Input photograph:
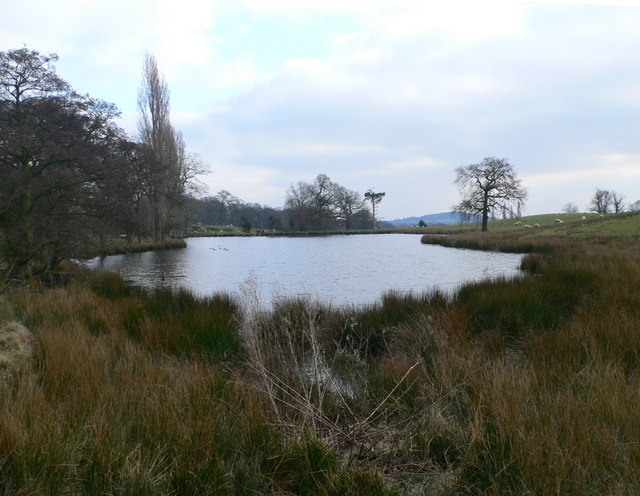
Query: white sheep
point(527, 226)
point(517, 223)
point(559, 221)
point(536, 225)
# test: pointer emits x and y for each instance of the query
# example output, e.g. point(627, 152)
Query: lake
point(340, 270)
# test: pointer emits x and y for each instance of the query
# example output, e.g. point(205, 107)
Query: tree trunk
point(485, 212)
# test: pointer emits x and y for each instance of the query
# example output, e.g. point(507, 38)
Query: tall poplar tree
point(158, 138)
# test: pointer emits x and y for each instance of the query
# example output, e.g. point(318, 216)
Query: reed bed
point(119, 248)
point(509, 386)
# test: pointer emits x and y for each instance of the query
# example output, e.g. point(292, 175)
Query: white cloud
point(534, 89)
point(466, 20)
point(416, 163)
point(395, 92)
point(605, 3)
point(297, 7)
point(248, 182)
point(614, 168)
point(315, 149)
point(183, 118)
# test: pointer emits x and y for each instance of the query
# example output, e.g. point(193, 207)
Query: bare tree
point(617, 201)
point(601, 201)
point(28, 73)
point(298, 203)
point(313, 205)
point(57, 163)
point(375, 199)
point(159, 139)
point(570, 208)
point(128, 205)
point(322, 192)
point(323, 204)
point(634, 206)
point(185, 184)
point(488, 186)
point(190, 166)
point(347, 204)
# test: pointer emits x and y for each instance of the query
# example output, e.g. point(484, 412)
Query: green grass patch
point(580, 225)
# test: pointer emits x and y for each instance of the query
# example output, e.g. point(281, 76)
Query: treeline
point(71, 178)
point(321, 205)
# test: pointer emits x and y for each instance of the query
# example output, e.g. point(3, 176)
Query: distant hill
point(430, 219)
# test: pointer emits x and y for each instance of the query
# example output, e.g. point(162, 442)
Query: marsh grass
point(509, 386)
point(115, 412)
point(183, 323)
point(507, 242)
point(119, 248)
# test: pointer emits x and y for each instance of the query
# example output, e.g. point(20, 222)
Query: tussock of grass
point(16, 348)
point(180, 322)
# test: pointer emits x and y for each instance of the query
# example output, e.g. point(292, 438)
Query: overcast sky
point(385, 94)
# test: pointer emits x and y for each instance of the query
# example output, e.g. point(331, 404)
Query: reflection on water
point(340, 270)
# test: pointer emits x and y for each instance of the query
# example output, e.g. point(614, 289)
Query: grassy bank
point(231, 231)
point(581, 225)
point(543, 234)
point(523, 386)
point(121, 248)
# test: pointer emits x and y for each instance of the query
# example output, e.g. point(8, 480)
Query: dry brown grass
point(103, 412)
point(509, 387)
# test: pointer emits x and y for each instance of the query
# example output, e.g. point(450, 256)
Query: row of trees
point(604, 201)
point(324, 204)
point(225, 209)
point(71, 177)
point(317, 206)
point(488, 189)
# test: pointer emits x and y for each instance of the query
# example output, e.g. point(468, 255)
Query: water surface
point(354, 269)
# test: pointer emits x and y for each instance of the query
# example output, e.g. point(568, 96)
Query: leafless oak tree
point(601, 201)
point(27, 73)
point(488, 186)
point(617, 201)
point(570, 208)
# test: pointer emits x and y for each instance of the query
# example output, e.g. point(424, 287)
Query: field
point(520, 386)
point(584, 225)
